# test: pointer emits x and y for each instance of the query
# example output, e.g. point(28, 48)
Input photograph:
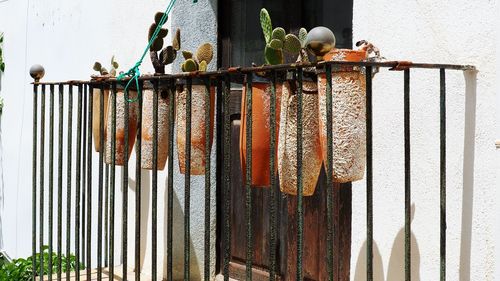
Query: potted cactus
point(195, 62)
point(277, 42)
point(348, 106)
point(96, 97)
point(159, 58)
point(121, 101)
point(287, 145)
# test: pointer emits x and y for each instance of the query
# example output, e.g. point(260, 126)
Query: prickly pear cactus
point(103, 71)
point(200, 60)
point(160, 58)
point(277, 41)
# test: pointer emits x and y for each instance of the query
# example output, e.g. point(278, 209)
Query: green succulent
point(200, 60)
point(2, 63)
point(103, 71)
point(277, 41)
point(162, 56)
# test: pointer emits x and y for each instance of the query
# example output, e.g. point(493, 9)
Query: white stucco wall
point(68, 36)
point(442, 32)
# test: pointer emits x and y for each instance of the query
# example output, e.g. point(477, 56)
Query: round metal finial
point(320, 40)
point(37, 72)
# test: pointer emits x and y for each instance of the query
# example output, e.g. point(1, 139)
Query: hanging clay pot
point(198, 125)
point(348, 116)
point(96, 115)
point(147, 126)
point(312, 158)
point(261, 98)
point(132, 122)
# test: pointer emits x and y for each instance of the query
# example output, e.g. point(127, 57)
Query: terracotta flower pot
point(120, 126)
point(96, 115)
point(147, 128)
point(312, 158)
point(261, 97)
point(348, 116)
point(198, 126)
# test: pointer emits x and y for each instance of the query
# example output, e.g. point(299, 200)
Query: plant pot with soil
point(348, 111)
point(199, 105)
point(96, 101)
point(277, 42)
point(159, 58)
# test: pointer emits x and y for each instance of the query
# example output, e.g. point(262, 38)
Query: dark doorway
point(241, 43)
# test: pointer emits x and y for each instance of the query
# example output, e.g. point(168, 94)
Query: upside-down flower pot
point(287, 147)
point(348, 116)
point(132, 122)
point(261, 136)
point(96, 115)
point(198, 126)
point(147, 127)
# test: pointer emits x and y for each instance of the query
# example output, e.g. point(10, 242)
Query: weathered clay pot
point(96, 115)
point(348, 116)
point(312, 158)
point(198, 125)
point(120, 126)
point(261, 97)
point(147, 127)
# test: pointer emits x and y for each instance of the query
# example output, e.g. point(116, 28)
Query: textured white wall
point(66, 37)
point(440, 32)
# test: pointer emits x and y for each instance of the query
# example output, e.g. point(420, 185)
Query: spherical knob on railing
point(37, 72)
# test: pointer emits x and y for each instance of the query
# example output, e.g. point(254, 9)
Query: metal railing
point(79, 229)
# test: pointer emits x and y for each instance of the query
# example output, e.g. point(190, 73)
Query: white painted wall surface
point(67, 37)
point(441, 32)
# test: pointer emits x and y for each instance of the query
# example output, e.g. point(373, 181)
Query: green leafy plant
point(103, 71)
point(2, 63)
point(198, 61)
point(22, 269)
point(162, 57)
point(277, 41)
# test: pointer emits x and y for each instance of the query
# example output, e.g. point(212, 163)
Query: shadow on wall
point(396, 267)
point(468, 173)
point(177, 241)
point(144, 215)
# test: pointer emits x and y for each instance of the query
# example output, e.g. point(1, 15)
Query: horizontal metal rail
point(102, 102)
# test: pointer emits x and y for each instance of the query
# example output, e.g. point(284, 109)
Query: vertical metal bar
point(369, 177)
point(442, 161)
point(170, 187)
point(59, 187)
point(33, 180)
point(51, 180)
point(100, 186)
point(273, 195)
point(300, 187)
point(42, 176)
point(88, 235)
point(113, 96)
point(78, 182)
point(187, 183)
point(329, 172)
point(106, 214)
point(154, 197)
point(125, 190)
point(407, 175)
point(138, 187)
point(227, 177)
point(248, 177)
point(69, 155)
point(207, 179)
point(84, 169)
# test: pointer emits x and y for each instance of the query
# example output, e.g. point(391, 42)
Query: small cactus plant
point(277, 41)
point(199, 61)
point(166, 55)
point(103, 71)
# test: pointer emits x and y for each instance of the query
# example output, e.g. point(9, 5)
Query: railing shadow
point(468, 173)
